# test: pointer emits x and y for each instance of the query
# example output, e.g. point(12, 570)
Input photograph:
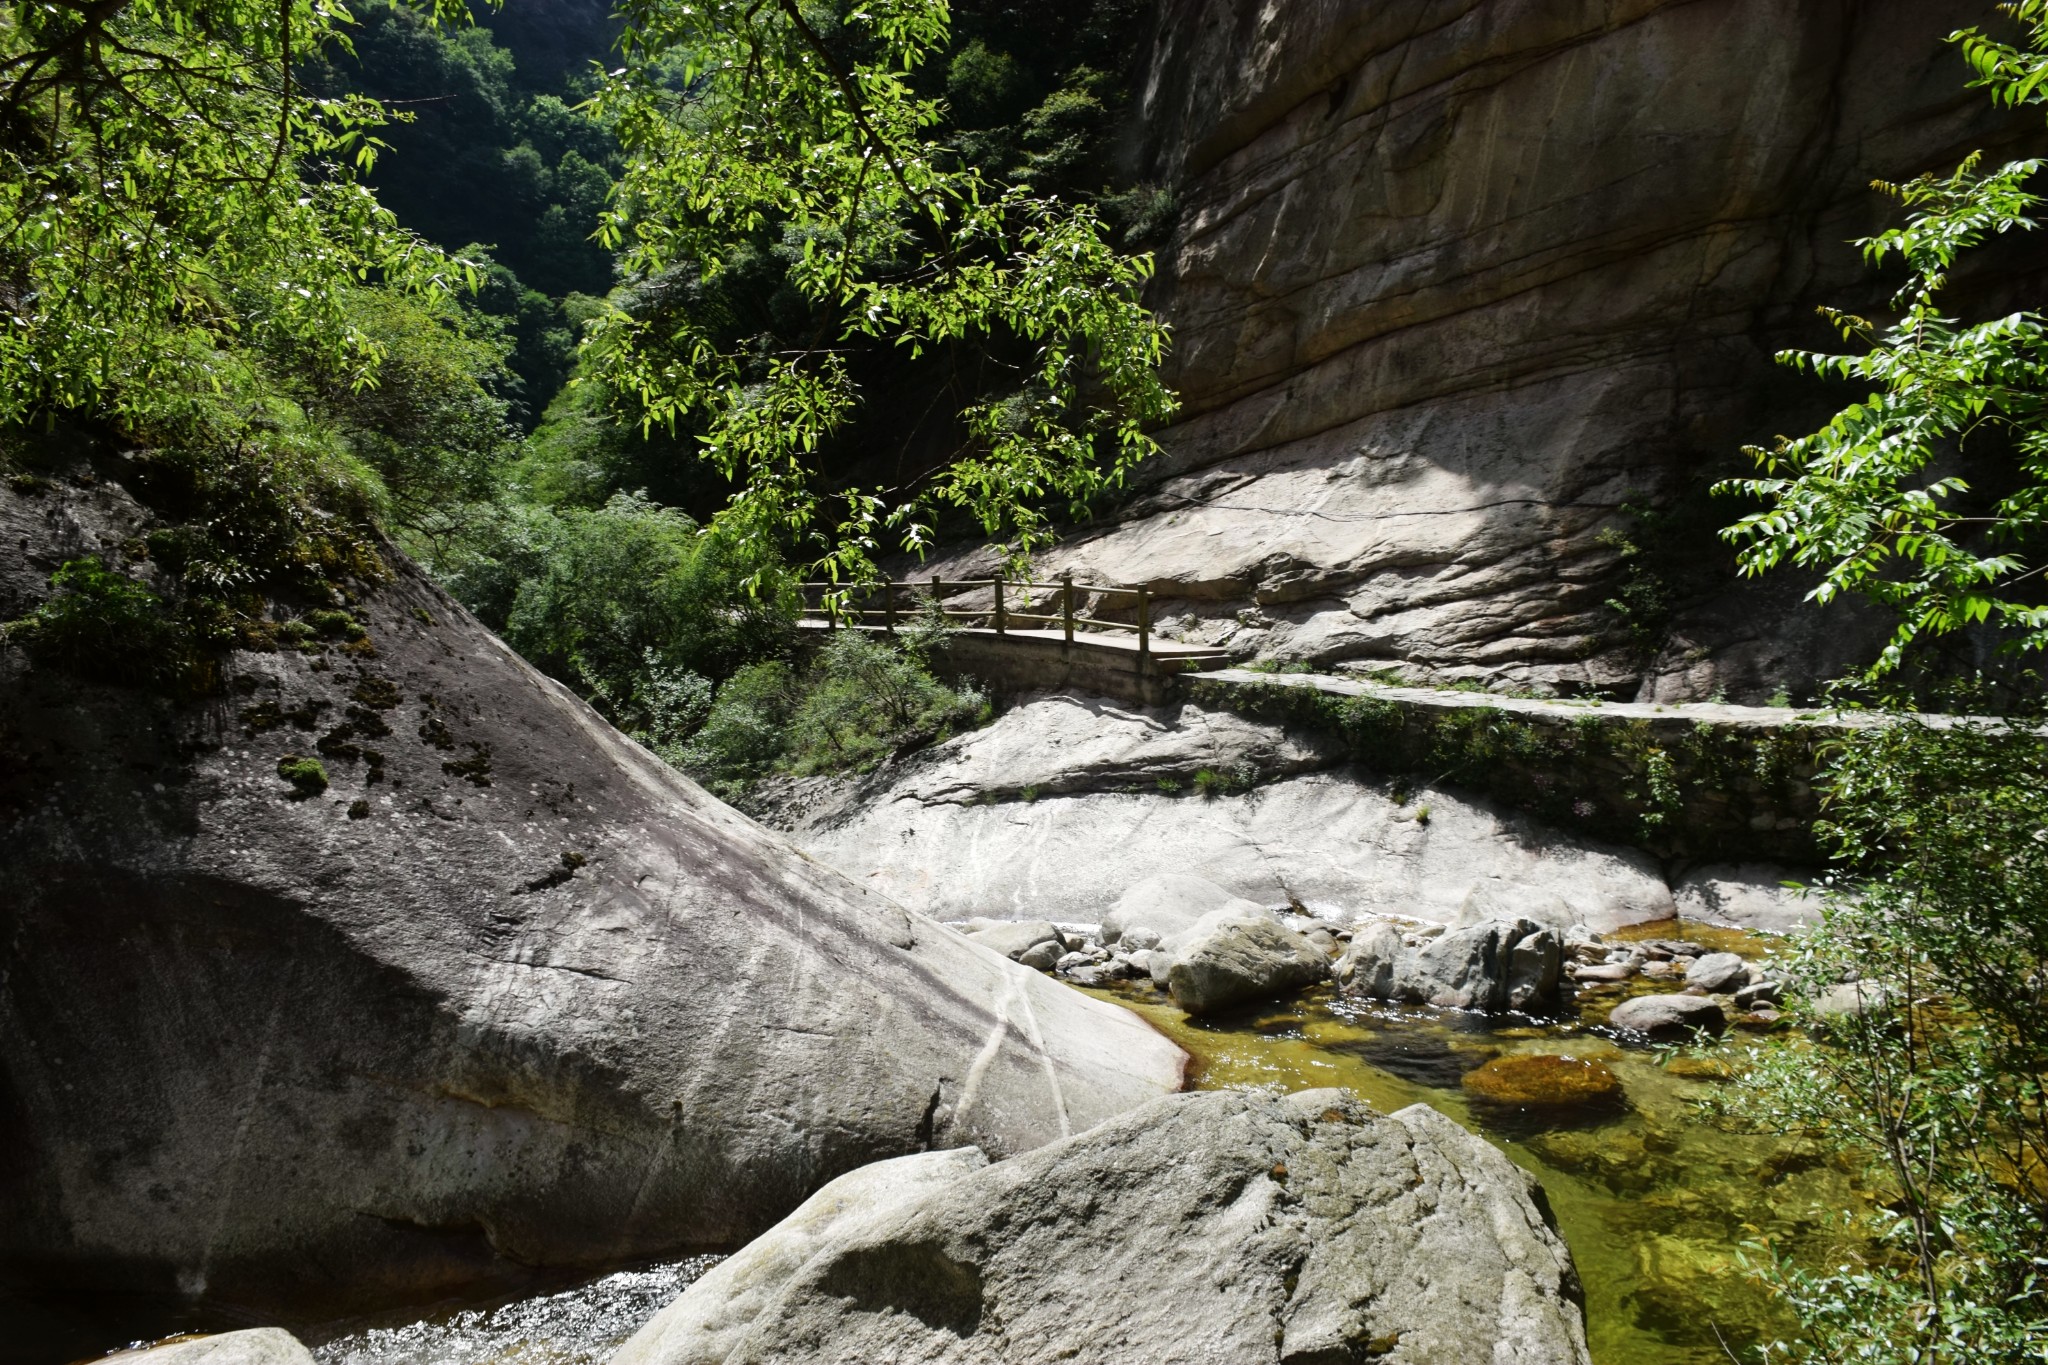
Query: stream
point(1653, 1200)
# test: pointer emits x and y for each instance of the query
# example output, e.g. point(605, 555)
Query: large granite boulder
point(508, 993)
point(1494, 965)
point(1208, 1228)
point(1229, 958)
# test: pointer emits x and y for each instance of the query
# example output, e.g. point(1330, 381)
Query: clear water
point(1654, 1201)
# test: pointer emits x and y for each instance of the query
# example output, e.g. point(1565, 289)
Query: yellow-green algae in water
point(1653, 1200)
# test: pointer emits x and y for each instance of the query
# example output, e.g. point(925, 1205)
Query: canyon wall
point(1473, 299)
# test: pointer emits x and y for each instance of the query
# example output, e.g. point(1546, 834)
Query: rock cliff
point(507, 992)
point(1457, 282)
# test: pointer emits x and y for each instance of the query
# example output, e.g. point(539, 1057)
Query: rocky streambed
point(1654, 1201)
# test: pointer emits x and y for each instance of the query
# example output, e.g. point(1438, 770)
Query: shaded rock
point(1760, 993)
point(1545, 1082)
point(1132, 940)
point(1718, 972)
point(1231, 958)
point(1668, 1017)
point(1367, 966)
point(1042, 957)
point(1535, 965)
point(1014, 938)
point(1205, 1228)
point(257, 1346)
point(577, 1013)
point(1169, 905)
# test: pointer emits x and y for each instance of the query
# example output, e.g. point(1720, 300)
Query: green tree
point(1870, 499)
point(799, 129)
point(1933, 948)
point(167, 188)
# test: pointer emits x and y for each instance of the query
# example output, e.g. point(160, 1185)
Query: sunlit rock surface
point(1064, 803)
point(508, 993)
point(1200, 1229)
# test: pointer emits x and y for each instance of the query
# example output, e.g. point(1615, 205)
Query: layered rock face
point(1456, 280)
point(508, 992)
point(1198, 1230)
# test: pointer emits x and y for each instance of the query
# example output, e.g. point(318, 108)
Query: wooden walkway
point(1062, 616)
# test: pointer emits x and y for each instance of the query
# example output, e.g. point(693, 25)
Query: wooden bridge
point(1025, 636)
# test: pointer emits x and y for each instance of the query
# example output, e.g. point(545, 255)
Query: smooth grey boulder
point(1718, 973)
point(1535, 966)
point(1668, 1017)
point(1232, 958)
point(509, 993)
point(1221, 1228)
point(1476, 968)
point(1043, 956)
point(1014, 938)
point(713, 1316)
point(256, 1346)
point(1760, 993)
point(1497, 898)
point(1169, 905)
point(1367, 966)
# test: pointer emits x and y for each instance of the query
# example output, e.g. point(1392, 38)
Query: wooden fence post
point(1067, 603)
point(999, 607)
point(1144, 629)
point(938, 597)
point(889, 605)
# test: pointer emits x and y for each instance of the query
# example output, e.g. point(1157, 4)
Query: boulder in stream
point(1169, 905)
point(1200, 1229)
point(1232, 958)
point(1668, 1017)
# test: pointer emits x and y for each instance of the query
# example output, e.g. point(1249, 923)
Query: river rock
point(1043, 956)
point(1759, 993)
point(256, 1346)
point(1718, 973)
point(1232, 958)
point(1204, 1228)
point(1477, 968)
point(509, 993)
point(1668, 1017)
point(1014, 938)
point(1603, 972)
point(1545, 1082)
point(1367, 966)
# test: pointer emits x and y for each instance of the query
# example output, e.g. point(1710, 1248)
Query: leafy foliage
point(166, 187)
point(1866, 499)
point(800, 129)
point(1940, 907)
point(859, 700)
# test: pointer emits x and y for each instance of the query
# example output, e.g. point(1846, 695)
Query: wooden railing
point(1014, 604)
